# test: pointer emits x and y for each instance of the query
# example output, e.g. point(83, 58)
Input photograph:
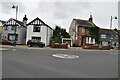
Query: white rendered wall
point(21, 31)
point(41, 34)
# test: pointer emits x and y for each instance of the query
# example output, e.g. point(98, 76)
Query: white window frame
point(36, 26)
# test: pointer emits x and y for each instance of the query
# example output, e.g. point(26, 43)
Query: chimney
point(25, 21)
point(91, 19)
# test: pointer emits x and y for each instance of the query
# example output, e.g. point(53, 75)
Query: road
point(39, 63)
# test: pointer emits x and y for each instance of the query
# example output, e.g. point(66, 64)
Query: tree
point(94, 32)
point(59, 33)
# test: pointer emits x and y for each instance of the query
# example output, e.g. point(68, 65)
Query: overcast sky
point(62, 12)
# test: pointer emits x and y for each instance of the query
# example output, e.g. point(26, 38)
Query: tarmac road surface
point(40, 63)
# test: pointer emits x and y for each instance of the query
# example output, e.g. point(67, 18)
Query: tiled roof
point(107, 31)
point(85, 23)
point(118, 31)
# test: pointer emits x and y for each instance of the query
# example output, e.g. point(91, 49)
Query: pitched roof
point(2, 21)
point(40, 21)
point(85, 23)
point(107, 31)
point(118, 31)
point(18, 22)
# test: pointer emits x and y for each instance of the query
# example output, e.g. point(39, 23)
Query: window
point(36, 28)
point(12, 37)
point(36, 38)
point(87, 40)
point(93, 40)
point(4, 37)
point(117, 44)
point(90, 40)
point(114, 44)
point(73, 30)
point(6, 27)
point(103, 35)
point(13, 27)
point(83, 30)
point(105, 43)
point(116, 36)
point(112, 36)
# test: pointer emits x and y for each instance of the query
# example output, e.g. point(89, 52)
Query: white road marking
point(14, 49)
point(65, 56)
point(115, 53)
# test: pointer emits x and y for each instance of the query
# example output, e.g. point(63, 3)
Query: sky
point(61, 13)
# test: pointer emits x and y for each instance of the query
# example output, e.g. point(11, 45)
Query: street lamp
point(15, 7)
point(16, 10)
point(111, 20)
point(112, 17)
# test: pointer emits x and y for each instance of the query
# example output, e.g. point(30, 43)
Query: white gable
point(12, 22)
point(36, 22)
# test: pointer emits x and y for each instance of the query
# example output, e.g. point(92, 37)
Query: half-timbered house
point(15, 30)
point(38, 30)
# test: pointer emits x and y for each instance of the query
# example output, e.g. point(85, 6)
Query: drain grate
point(65, 56)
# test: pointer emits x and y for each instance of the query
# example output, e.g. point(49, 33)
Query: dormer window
point(36, 28)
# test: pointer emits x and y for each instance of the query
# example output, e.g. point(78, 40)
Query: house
point(118, 32)
point(1, 27)
point(109, 37)
point(79, 32)
point(9, 32)
point(38, 30)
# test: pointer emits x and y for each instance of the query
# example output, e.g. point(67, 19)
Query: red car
point(7, 42)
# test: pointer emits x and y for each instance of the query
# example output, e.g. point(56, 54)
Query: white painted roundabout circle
point(65, 56)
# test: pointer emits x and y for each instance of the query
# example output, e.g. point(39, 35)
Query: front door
point(82, 41)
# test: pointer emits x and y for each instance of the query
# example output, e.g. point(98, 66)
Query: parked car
point(31, 43)
point(5, 42)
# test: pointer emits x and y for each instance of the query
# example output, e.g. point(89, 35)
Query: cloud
point(59, 13)
point(61, 0)
point(7, 7)
point(66, 9)
point(62, 13)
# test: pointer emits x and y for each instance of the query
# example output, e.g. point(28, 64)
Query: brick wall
point(79, 36)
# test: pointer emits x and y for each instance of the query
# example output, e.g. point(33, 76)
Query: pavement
point(47, 63)
point(2, 47)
